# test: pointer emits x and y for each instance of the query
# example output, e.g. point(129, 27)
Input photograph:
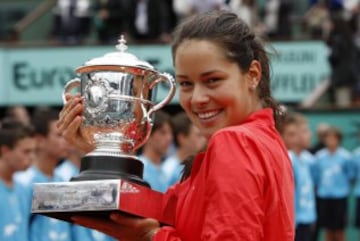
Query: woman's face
point(213, 91)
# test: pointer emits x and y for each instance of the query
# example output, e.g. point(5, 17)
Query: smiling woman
point(241, 186)
point(214, 92)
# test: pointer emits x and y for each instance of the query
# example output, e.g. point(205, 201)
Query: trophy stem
point(111, 167)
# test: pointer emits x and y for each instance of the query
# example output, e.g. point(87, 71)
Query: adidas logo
point(128, 188)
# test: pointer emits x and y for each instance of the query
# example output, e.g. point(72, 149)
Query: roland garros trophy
point(118, 92)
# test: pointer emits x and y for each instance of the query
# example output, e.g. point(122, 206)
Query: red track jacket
point(240, 189)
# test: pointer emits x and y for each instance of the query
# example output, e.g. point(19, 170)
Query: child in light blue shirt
point(334, 170)
point(296, 135)
point(356, 159)
point(17, 150)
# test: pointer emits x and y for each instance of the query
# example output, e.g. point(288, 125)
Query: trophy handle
point(69, 86)
point(162, 78)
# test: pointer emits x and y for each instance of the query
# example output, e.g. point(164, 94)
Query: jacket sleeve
point(234, 208)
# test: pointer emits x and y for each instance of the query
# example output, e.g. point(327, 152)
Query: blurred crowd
point(152, 21)
point(33, 151)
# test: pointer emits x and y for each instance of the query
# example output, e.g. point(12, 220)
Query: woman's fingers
point(126, 220)
point(70, 120)
point(143, 227)
point(72, 108)
point(70, 100)
point(105, 226)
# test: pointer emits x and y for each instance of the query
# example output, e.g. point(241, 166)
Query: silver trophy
point(118, 91)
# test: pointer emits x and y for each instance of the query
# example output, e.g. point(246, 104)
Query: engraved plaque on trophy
point(118, 91)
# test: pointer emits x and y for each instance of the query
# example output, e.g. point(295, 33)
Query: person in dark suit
point(149, 21)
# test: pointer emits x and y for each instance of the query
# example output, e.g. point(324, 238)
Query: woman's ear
point(254, 74)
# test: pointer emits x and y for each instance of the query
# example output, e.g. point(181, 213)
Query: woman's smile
point(207, 117)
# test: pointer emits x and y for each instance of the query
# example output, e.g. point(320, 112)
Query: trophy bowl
point(118, 92)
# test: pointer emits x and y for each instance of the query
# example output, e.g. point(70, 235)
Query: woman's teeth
point(207, 115)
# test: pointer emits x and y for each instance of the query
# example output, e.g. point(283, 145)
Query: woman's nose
point(200, 96)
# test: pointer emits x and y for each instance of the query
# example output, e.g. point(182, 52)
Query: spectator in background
point(51, 147)
point(18, 113)
point(188, 141)
point(17, 151)
point(149, 21)
point(202, 6)
point(71, 21)
point(308, 158)
point(277, 18)
point(296, 134)
point(320, 132)
point(182, 8)
point(246, 10)
point(154, 151)
point(332, 5)
point(343, 61)
point(333, 171)
point(110, 20)
point(317, 20)
point(353, 8)
point(185, 8)
point(356, 158)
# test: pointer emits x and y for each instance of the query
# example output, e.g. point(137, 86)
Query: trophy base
point(99, 198)
point(110, 167)
point(106, 184)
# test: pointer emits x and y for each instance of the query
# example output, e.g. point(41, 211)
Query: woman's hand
point(122, 227)
point(70, 119)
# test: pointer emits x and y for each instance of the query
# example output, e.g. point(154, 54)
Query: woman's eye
point(213, 80)
point(185, 83)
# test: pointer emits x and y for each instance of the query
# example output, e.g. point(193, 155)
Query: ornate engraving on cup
point(116, 118)
point(96, 94)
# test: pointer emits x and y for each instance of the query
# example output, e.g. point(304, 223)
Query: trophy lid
point(120, 58)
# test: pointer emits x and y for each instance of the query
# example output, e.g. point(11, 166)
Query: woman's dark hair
point(231, 33)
